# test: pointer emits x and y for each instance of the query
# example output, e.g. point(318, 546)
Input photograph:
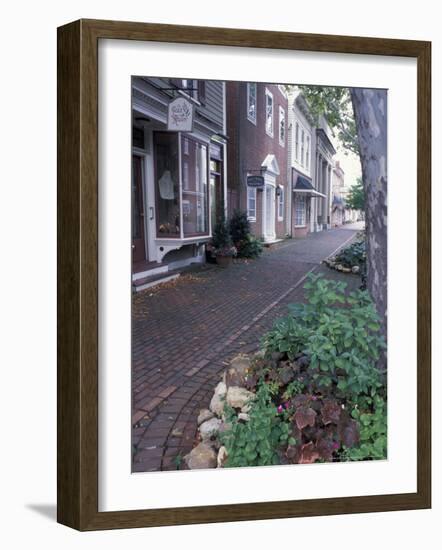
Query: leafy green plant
point(247, 245)
point(373, 433)
point(257, 441)
point(250, 247)
point(338, 332)
point(239, 226)
point(354, 254)
point(222, 244)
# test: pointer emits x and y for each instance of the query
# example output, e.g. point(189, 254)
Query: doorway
point(139, 248)
point(269, 214)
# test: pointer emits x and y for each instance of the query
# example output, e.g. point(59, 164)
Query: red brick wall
point(249, 144)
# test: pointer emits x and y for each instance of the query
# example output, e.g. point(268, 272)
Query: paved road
point(185, 332)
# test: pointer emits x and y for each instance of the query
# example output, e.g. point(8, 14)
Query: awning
point(304, 185)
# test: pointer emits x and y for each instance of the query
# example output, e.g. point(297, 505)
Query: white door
point(269, 217)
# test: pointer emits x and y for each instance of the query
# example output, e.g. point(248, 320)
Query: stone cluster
point(332, 264)
point(209, 453)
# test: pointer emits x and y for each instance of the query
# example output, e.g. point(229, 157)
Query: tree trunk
point(370, 110)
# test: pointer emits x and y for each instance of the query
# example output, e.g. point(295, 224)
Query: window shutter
point(202, 91)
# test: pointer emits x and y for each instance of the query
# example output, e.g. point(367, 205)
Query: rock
point(222, 457)
point(221, 389)
point(202, 456)
point(237, 372)
point(218, 399)
point(346, 270)
point(260, 354)
point(246, 408)
point(355, 269)
point(204, 415)
point(237, 397)
point(339, 267)
point(210, 428)
point(244, 417)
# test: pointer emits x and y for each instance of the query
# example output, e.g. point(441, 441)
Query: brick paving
point(184, 334)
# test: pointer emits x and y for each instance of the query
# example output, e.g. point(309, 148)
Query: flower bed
point(351, 259)
point(312, 394)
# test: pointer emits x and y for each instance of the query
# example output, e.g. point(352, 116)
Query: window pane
point(251, 101)
point(269, 114)
point(195, 215)
point(167, 184)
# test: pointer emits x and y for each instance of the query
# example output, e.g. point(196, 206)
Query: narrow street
point(185, 332)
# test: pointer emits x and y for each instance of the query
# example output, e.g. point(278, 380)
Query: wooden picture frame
point(78, 274)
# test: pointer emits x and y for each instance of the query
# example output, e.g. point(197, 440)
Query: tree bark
point(370, 110)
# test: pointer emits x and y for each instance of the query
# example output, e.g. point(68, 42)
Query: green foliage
point(255, 442)
point(356, 196)
point(338, 332)
point(247, 245)
point(222, 244)
point(319, 394)
point(239, 226)
point(335, 104)
point(250, 247)
point(373, 433)
point(354, 254)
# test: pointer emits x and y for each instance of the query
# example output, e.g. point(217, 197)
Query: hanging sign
point(180, 115)
point(255, 181)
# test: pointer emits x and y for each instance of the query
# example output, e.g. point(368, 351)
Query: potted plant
point(222, 246)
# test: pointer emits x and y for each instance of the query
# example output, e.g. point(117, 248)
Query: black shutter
point(202, 91)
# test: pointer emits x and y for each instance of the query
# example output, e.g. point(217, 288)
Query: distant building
point(257, 145)
point(324, 162)
point(339, 192)
point(178, 178)
point(304, 195)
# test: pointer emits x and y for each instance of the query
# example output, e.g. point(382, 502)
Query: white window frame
point(296, 141)
point(301, 200)
point(302, 146)
point(281, 204)
point(252, 119)
point(251, 194)
point(307, 151)
point(281, 119)
point(269, 94)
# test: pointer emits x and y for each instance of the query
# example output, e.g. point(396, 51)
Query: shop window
point(195, 192)
point(251, 203)
point(251, 101)
point(300, 210)
point(167, 184)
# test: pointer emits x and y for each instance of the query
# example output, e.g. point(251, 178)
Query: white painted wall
point(28, 299)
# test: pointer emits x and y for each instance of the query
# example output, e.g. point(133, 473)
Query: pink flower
point(280, 409)
point(335, 445)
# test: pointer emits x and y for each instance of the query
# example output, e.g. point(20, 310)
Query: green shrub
point(339, 333)
point(239, 226)
point(250, 247)
point(221, 244)
point(373, 433)
point(319, 394)
point(257, 441)
point(247, 245)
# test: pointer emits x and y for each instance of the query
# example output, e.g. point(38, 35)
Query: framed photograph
point(242, 332)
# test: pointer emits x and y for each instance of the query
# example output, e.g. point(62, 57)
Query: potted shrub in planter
point(222, 246)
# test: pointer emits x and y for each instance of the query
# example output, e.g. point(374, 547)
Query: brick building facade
point(257, 129)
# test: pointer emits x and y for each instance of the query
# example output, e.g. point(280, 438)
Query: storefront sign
point(255, 181)
point(180, 115)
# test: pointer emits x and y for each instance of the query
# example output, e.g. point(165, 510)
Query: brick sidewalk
point(184, 334)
